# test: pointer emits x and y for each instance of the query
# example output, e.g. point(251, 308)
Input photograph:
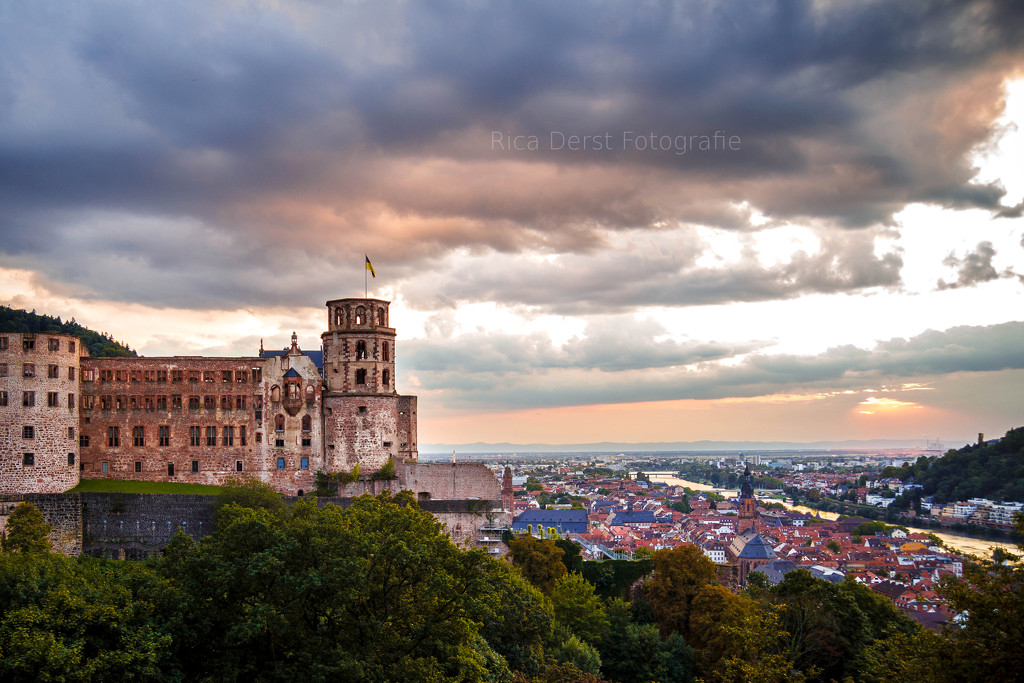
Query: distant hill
point(675, 446)
point(994, 470)
point(98, 343)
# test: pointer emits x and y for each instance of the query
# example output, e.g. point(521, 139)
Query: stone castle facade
point(280, 416)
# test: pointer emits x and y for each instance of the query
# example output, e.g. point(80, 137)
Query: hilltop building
point(279, 416)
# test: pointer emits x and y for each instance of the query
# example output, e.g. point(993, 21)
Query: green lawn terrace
point(131, 486)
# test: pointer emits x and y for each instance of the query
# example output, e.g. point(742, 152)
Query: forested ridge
point(993, 470)
point(377, 592)
point(98, 343)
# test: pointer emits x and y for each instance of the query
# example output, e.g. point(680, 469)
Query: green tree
point(27, 531)
point(679, 575)
point(248, 493)
point(577, 608)
point(540, 561)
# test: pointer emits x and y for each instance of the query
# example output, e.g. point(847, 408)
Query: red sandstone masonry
point(46, 366)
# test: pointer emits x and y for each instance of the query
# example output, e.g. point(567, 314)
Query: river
point(965, 544)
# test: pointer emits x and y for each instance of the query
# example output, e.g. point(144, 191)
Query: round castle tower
point(366, 422)
point(39, 375)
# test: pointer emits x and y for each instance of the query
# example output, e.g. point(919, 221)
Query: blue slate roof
point(626, 517)
point(292, 372)
point(566, 521)
point(316, 356)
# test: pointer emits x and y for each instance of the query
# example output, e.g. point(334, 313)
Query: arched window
point(360, 350)
point(279, 423)
point(385, 351)
point(275, 394)
point(338, 316)
point(385, 377)
point(360, 316)
point(360, 376)
point(380, 317)
point(293, 390)
point(307, 424)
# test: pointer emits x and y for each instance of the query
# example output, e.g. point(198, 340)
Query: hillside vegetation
point(30, 322)
point(994, 470)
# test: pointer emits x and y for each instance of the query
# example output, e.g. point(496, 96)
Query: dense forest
point(993, 470)
point(98, 343)
point(377, 592)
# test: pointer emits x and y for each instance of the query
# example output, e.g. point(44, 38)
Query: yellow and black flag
point(369, 267)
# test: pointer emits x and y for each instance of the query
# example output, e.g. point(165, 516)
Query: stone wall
point(135, 525)
point(450, 480)
point(62, 511)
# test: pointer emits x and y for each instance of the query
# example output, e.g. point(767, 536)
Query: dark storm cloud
point(325, 131)
point(527, 379)
point(973, 268)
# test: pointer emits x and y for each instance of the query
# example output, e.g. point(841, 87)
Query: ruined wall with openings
point(39, 418)
point(437, 480)
point(180, 419)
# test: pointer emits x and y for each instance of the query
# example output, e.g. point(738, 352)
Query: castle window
point(293, 390)
point(361, 350)
point(279, 423)
point(161, 376)
point(280, 463)
point(257, 375)
point(279, 443)
point(337, 318)
point(177, 375)
point(195, 465)
point(138, 466)
point(387, 444)
point(380, 317)
point(362, 409)
point(83, 441)
point(361, 376)
point(210, 402)
point(51, 399)
point(211, 436)
point(138, 436)
point(176, 401)
point(28, 370)
point(165, 435)
point(225, 402)
point(275, 394)
point(71, 373)
point(229, 437)
point(208, 375)
point(3, 343)
point(71, 433)
point(385, 377)
point(385, 351)
point(307, 423)
point(106, 375)
point(71, 346)
point(71, 459)
point(136, 376)
point(170, 469)
point(3, 398)
point(360, 316)
point(135, 403)
point(71, 401)
point(88, 402)
point(194, 436)
point(193, 375)
point(3, 369)
point(306, 441)
point(193, 403)
point(105, 467)
point(241, 435)
point(28, 399)
point(52, 371)
point(304, 464)
point(241, 377)
point(259, 437)
point(239, 402)
point(309, 393)
point(53, 345)
point(161, 403)
point(238, 466)
point(225, 376)
point(148, 403)
point(28, 343)
point(122, 375)
point(113, 437)
point(28, 432)
point(149, 375)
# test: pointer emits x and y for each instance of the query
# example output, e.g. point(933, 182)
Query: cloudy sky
point(597, 221)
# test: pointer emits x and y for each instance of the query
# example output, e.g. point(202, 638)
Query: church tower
point(366, 422)
point(747, 504)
